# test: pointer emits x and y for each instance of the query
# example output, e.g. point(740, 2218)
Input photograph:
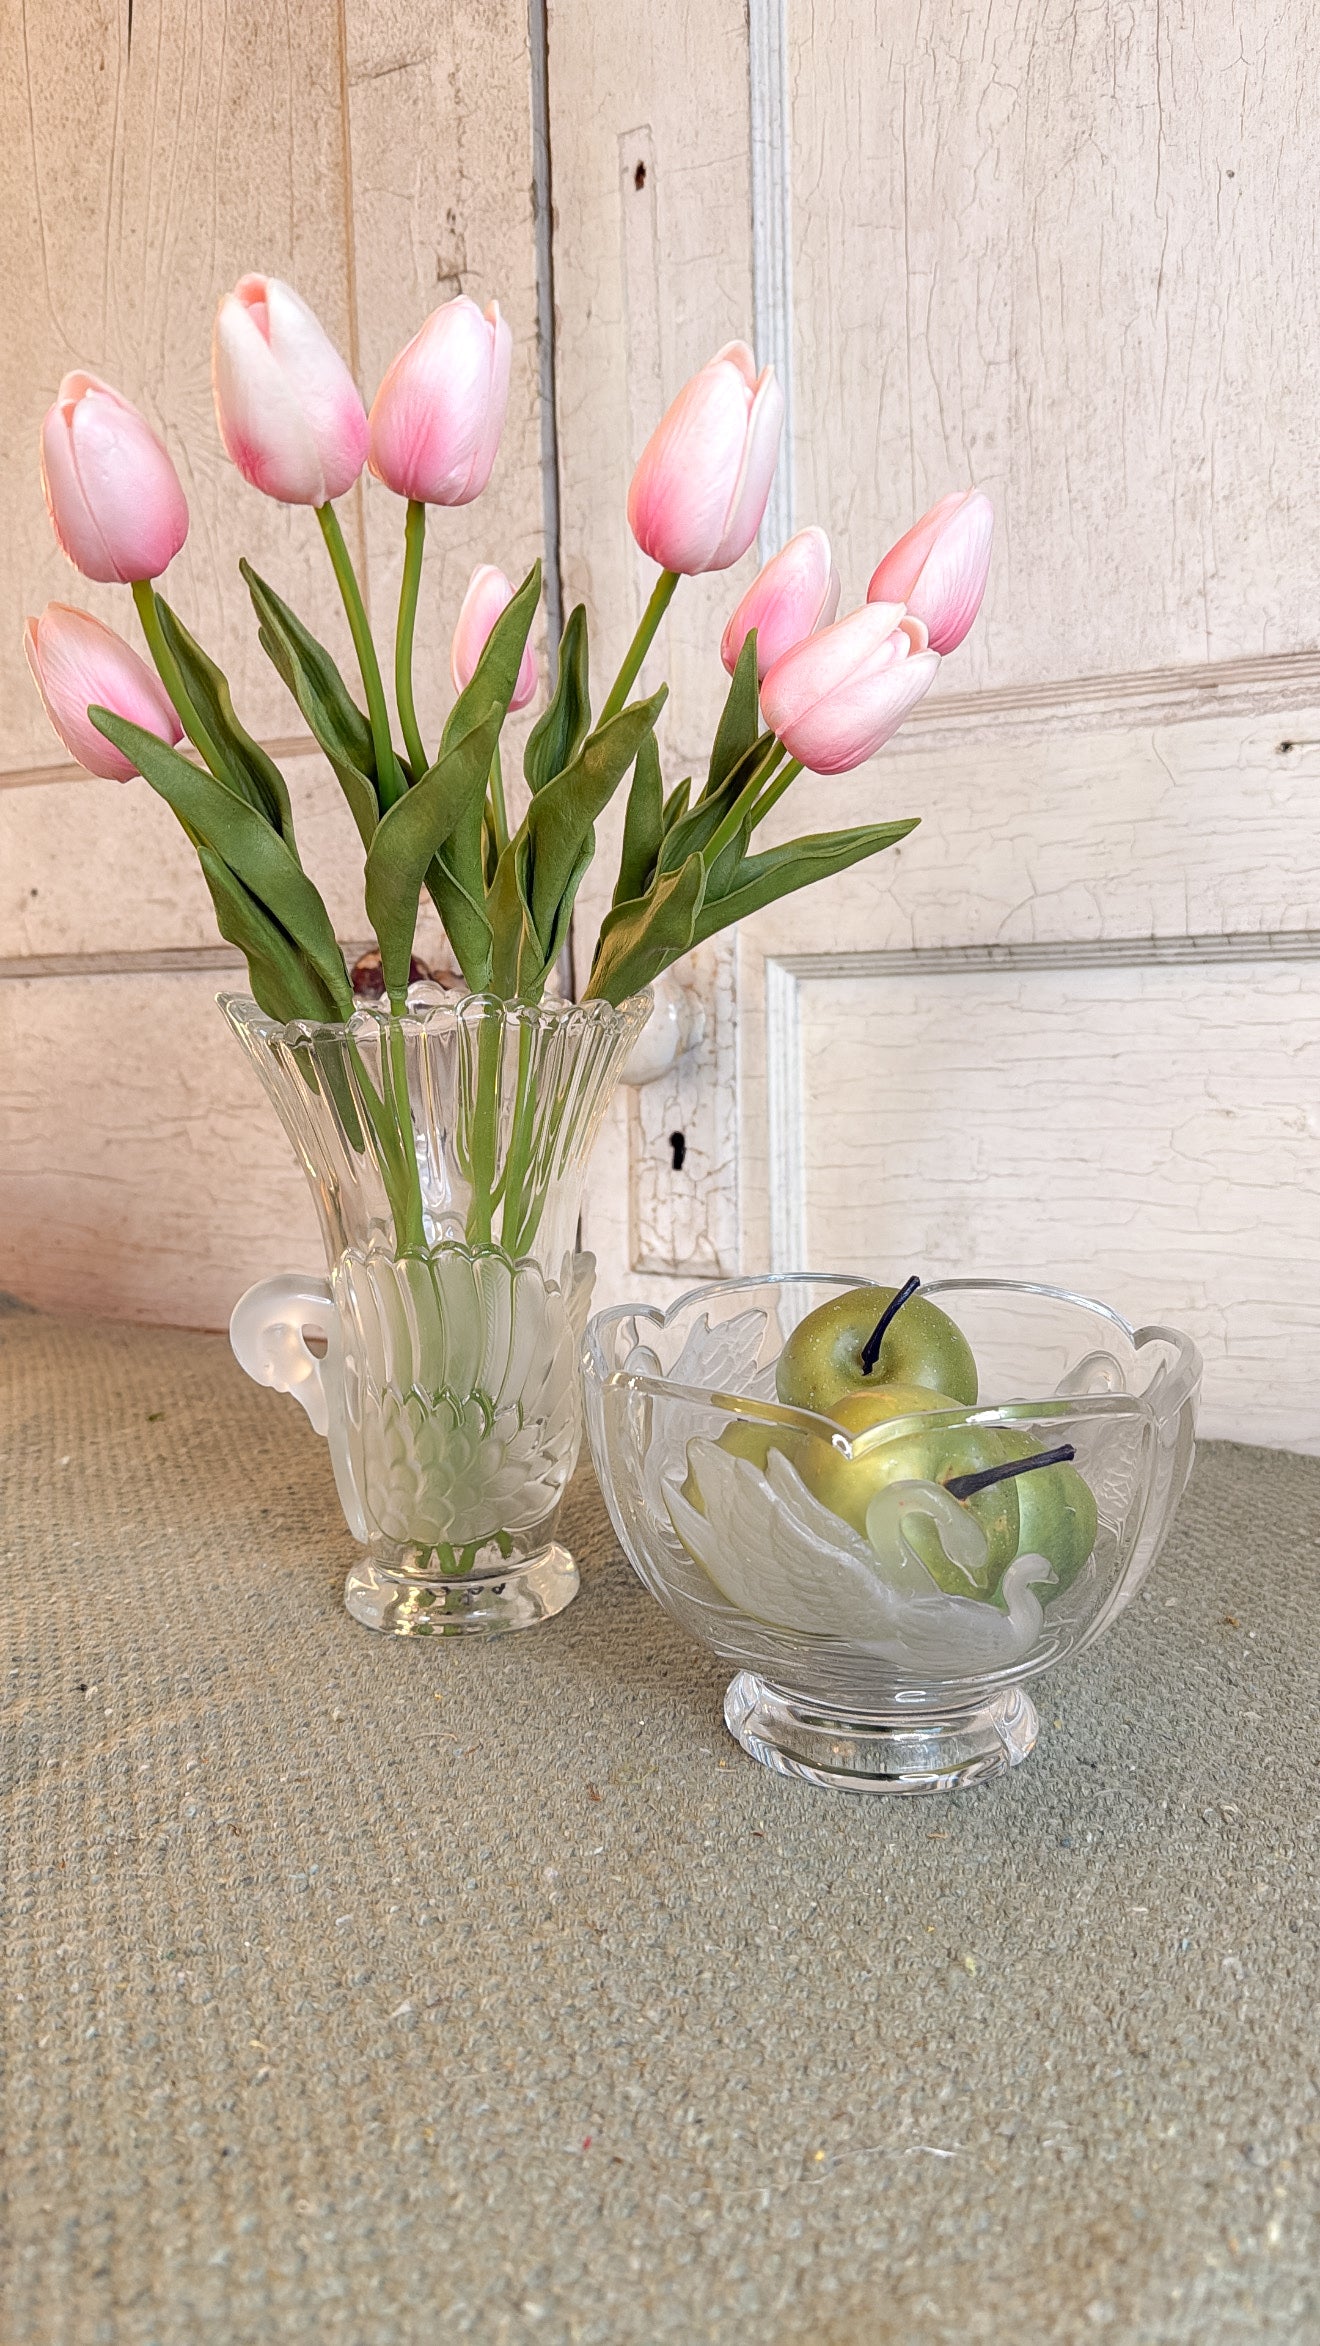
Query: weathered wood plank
point(1071, 254)
point(440, 116)
point(103, 867)
point(142, 1173)
point(139, 178)
point(650, 280)
point(652, 275)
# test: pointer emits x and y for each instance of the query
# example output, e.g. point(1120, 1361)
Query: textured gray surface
point(364, 1992)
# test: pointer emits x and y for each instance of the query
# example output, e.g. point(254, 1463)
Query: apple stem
point(871, 1348)
point(966, 1486)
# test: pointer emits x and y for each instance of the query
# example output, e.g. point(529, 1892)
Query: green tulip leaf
point(729, 861)
point(244, 840)
point(247, 767)
point(676, 805)
point(638, 940)
point(514, 942)
point(523, 955)
point(457, 885)
point(740, 723)
point(556, 738)
point(780, 871)
point(284, 985)
point(467, 923)
point(496, 672)
point(643, 825)
point(691, 833)
point(459, 874)
point(540, 955)
point(332, 715)
point(408, 839)
point(559, 820)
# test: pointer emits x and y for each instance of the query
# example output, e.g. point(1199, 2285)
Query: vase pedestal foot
point(476, 1604)
point(947, 1754)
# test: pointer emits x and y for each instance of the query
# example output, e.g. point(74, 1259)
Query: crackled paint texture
point(1056, 254)
point(1070, 255)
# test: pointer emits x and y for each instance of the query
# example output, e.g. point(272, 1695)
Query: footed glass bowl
point(866, 1659)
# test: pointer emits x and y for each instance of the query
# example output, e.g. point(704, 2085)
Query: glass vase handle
point(268, 1331)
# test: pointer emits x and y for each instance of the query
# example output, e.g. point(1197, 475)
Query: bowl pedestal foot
point(949, 1752)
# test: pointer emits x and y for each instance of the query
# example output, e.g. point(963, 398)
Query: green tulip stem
point(966, 1486)
point(747, 806)
point(871, 1348)
point(661, 597)
point(389, 781)
point(407, 1207)
point(483, 1131)
point(400, 1145)
point(171, 676)
point(521, 1215)
point(775, 791)
point(499, 813)
point(414, 543)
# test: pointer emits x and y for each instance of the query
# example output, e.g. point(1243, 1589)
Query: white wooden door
point(1071, 1028)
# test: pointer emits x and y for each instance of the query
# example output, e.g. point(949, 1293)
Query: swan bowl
point(855, 1668)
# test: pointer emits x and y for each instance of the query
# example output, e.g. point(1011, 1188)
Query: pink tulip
point(78, 662)
point(703, 478)
point(437, 417)
point(488, 593)
point(940, 568)
point(837, 697)
point(795, 594)
point(112, 493)
point(290, 414)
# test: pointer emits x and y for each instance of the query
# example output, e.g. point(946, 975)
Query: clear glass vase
point(446, 1150)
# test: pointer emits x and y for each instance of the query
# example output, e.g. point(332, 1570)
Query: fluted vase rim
point(245, 1014)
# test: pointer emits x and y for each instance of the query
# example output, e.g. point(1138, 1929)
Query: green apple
point(744, 1438)
point(847, 1485)
point(833, 1351)
point(1058, 1520)
point(1022, 1507)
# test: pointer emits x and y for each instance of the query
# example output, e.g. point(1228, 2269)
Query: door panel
point(1069, 1028)
point(1134, 1126)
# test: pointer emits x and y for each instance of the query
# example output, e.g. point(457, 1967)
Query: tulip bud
point(795, 594)
point(488, 593)
point(290, 414)
point(437, 417)
point(940, 568)
point(703, 478)
point(837, 698)
point(112, 493)
point(78, 663)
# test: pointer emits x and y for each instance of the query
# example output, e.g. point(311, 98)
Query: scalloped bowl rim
point(1177, 1391)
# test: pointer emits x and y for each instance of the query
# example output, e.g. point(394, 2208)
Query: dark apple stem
point(966, 1486)
point(871, 1348)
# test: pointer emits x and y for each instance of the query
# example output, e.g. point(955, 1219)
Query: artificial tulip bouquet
point(807, 690)
point(445, 1135)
